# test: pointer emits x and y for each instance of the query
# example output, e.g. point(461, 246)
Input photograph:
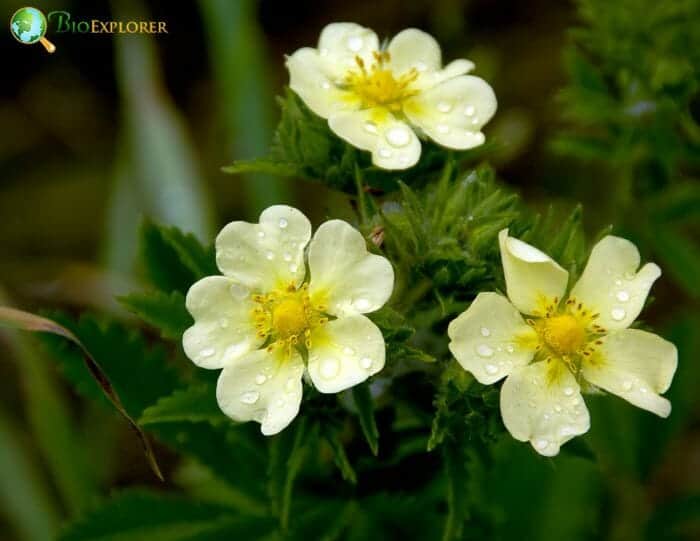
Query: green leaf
point(147, 516)
point(680, 256)
point(392, 324)
point(174, 260)
point(165, 312)
point(288, 451)
point(195, 404)
point(456, 477)
point(365, 410)
point(91, 373)
point(332, 436)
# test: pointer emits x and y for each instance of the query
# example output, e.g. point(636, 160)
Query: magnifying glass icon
point(28, 26)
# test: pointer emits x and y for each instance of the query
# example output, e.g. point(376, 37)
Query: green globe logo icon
point(28, 25)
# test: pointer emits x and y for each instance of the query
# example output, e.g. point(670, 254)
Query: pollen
point(377, 86)
point(289, 317)
point(564, 334)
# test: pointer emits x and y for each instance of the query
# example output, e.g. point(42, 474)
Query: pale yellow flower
point(379, 99)
point(564, 343)
point(281, 310)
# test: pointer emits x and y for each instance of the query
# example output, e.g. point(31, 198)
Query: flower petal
point(345, 352)
point(341, 43)
point(533, 279)
point(224, 329)
point(611, 285)
point(453, 112)
point(392, 142)
point(414, 49)
point(309, 78)
point(541, 403)
point(267, 255)
point(635, 365)
point(263, 386)
point(491, 338)
point(345, 277)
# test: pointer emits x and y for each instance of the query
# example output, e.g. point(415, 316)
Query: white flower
point(565, 343)
point(378, 98)
point(271, 317)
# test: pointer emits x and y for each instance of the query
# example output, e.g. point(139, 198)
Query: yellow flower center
point(286, 317)
point(564, 334)
point(377, 86)
point(289, 317)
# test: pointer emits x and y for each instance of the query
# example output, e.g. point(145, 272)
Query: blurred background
point(109, 129)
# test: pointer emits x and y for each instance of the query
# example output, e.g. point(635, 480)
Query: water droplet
point(643, 390)
point(348, 351)
point(475, 120)
point(280, 402)
point(290, 385)
point(370, 127)
point(362, 304)
point(260, 416)
point(283, 223)
point(270, 256)
point(366, 363)
point(491, 369)
point(421, 66)
point(208, 352)
point(223, 323)
point(260, 379)
point(287, 256)
point(250, 397)
point(261, 234)
point(329, 368)
point(629, 275)
point(618, 282)
point(485, 332)
point(623, 296)
point(238, 291)
point(627, 386)
point(385, 153)
point(531, 404)
point(510, 348)
point(568, 391)
point(325, 85)
point(567, 431)
point(557, 408)
point(443, 128)
point(484, 350)
point(444, 107)
point(355, 43)
point(469, 110)
point(398, 137)
point(542, 444)
point(478, 138)
point(618, 314)
point(293, 267)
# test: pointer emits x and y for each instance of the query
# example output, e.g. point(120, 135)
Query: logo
point(28, 25)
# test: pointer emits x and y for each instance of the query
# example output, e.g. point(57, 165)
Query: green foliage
point(173, 260)
point(140, 374)
point(166, 312)
point(365, 410)
point(195, 404)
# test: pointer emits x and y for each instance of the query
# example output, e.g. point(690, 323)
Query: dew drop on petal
point(261, 234)
point(421, 66)
point(207, 352)
point(329, 368)
point(238, 291)
point(355, 43)
point(643, 390)
point(280, 402)
point(366, 363)
point(443, 128)
point(618, 282)
point(250, 397)
point(491, 369)
point(370, 127)
point(385, 153)
point(567, 431)
point(627, 386)
point(260, 379)
point(622, 296)
point(485, 332)
point(618, 314)
point(270, 256)
point(293, 267)
point(283, 223)
point(290, 385)
point(348, 351)
point(557, 408)
point(361, 304)
point(223, 323)
point(444, 107)
point(287, 256)
point(510, 348)
point(398, 137)
point(469, 110)
point(475, 120)
point(568, 391)
point(542, 444)
point(325, 85)
point(484, 350)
